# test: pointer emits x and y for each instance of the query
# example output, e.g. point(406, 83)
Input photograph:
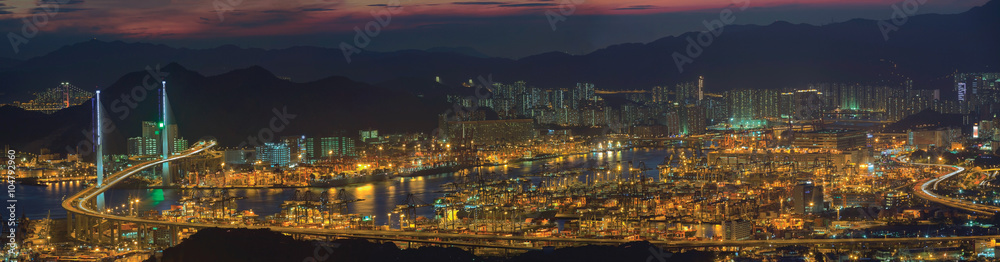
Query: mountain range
point(229, 107)
point(926, 48)
point(231, 92)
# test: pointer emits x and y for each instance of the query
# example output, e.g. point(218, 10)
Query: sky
point(501, 28)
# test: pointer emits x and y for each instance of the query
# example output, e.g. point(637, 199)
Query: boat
point(31, 181)
point(438, 170)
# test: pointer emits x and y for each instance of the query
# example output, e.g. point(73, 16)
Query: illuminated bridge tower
point(99, 146)
point(65, 87)
point(165, 134)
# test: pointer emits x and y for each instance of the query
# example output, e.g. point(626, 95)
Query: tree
point(920, 154)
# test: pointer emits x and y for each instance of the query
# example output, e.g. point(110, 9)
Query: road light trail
point(924, 189)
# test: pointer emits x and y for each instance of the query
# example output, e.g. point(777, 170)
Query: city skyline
point(572, 130)
point(663, 108)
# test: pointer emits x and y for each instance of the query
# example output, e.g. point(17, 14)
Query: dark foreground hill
point(249, 245)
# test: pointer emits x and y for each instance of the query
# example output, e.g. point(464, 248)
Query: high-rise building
point(737, 229)
point(766, 105)
point(752, 107)
point(693, 119)
point(337, 146)
point(369, 136)
point(589, 116)
point(688, 93)
point(807, 198)
point(150, 129)
point(180, 144)
point(716, 109)
point(806, 105)
point(274, 154)
point(520, 97)
point(613, 119)
point(672, 119)
point(786, 104)
point(559, 98)
point(153, 129)
point(536, 98)
point(660, 94)
point(986, 130)
point(897, 106)
point(976, 90)
point(524, 103)
point(138, 146)
point(149, 142)
point(741, 102)
point(894, 199)
point(582, 92)
point(296, 148)
point(701, 88)
point(311, 148)
point(918, 100)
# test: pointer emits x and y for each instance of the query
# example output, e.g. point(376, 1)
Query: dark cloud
point(637, 7)
point(4, 8)
point(60, 2)
point(529, 4)
point(478, 3)
point(275, 11)
point(42, 10)
point(317, 9)
point(378, 5)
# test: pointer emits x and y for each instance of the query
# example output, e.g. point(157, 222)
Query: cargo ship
point(348, 180)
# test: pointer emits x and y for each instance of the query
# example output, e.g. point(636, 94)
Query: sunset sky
point(514, 28)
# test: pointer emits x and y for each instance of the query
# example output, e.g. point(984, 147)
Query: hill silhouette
point(927, 48)
point(230, 107)
point(244, 245)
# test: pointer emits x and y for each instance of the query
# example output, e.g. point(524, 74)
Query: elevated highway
point(925, 189)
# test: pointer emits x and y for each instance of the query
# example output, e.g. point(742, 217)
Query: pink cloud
point(197, 19)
